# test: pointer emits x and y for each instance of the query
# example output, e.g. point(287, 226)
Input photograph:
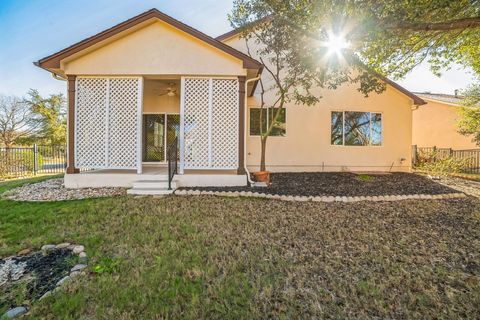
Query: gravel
point(344, 184)
point(54, 190)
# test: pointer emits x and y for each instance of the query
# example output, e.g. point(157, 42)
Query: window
point(352, 128)
point(279, 128)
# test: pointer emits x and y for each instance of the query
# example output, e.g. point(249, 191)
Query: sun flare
point(336, 43)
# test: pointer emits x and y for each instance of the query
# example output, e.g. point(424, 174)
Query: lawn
point(238, 258)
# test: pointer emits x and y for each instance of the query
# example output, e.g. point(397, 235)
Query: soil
point(42, 272)
point(344, 184)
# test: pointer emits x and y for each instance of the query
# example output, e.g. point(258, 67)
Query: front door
point(160, 130)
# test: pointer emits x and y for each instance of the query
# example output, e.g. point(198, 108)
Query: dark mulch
point(42, 272)
point(344, 184)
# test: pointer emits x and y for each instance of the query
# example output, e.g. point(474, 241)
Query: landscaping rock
point(63, 280)
point(15, 312)
point(24, 252)
point(78, 267)
point(62, 245)
point(45, 295)
point(48, 247)
point(78, 249)
point(83, 257)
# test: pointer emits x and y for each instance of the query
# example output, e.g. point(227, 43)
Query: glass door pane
point(154, 143)
point(173, 128)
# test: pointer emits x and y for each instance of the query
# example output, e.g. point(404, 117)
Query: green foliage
point(50, 116)
point(469, 122)
point(365, 177)
point(107, 265)
point(434, 163)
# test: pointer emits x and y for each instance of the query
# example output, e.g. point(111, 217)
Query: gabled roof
point(53, 61)
point(441, 97)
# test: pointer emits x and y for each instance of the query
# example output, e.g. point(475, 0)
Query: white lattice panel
point(196, 123)
point(91, 123)
point(224, 124)
point(107, 127)
point(122, 124)
point(210, 123)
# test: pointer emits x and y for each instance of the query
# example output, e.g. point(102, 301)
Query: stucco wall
point(306, 146)
point(435, 124)
point(157, 48)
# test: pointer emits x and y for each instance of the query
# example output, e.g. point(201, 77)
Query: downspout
point(245, 128)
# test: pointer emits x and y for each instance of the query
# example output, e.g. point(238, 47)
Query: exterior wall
point(435, 124)
point(306, 146)
point(158, 48)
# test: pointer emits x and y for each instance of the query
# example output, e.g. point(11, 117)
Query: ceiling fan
point(170, 91)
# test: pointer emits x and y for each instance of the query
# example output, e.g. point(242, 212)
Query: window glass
point(337, 128)
point(279, 127)
point(376, 129)
point(351, 128)
point(357, 128)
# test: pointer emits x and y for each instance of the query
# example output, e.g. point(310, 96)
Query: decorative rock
point(45, 295)
point(83, 257)
point(78, 249)
point(62, 245)
point(63, 280)
point(78, 267)
point(75, 274)
point(48, 247)
point(15, 312)
point(24, 252)
point(337, 198)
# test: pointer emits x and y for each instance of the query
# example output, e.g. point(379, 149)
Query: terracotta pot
point(262, 176)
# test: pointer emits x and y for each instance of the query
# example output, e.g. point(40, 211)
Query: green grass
point(229, 258)
point(365, 177)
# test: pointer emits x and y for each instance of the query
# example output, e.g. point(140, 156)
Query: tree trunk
point(264, 149)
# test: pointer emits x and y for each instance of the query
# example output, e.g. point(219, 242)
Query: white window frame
point(268, 122)
point(343, 129)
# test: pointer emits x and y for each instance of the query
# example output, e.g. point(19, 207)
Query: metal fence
point(471, 156)
point(21, 161)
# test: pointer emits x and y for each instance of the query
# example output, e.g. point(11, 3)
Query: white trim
point(107, 122)
point(182, 124)
point(139, 125)
point(75, 111)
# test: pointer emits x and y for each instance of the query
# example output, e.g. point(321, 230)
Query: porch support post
point(71, 126)
point(241, 124)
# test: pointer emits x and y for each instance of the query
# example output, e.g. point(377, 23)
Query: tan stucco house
point(146, 83)
point(435, 124)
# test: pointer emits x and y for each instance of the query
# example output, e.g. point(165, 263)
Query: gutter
point(245, 128)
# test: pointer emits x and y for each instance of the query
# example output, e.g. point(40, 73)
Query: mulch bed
point(344, 184)
point(41, 274)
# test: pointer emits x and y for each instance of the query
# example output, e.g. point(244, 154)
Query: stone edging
point(75, 271)
point(319, 198)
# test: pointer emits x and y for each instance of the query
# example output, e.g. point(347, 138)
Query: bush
point(433, 162)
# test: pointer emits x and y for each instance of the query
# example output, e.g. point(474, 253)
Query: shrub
point(435, 163)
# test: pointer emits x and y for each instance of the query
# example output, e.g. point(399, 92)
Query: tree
point(384, 37)
point(16, 120)
point(469, 123)
point(49, 115)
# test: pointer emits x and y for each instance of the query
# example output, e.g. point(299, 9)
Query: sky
point(33, 29)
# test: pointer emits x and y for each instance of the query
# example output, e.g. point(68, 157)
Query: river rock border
point(327, 199)
point(77, 270)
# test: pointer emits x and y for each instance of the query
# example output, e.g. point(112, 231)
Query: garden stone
point(48, 247)
point(78, 249)
point(62, 245)
point(15, 312)
point(78, 267)
point(75, 274)
point(24, 252)
point(45, 295)
point(83, 257)
point(63, 280)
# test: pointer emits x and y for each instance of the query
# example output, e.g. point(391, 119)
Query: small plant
point(435, 163)
point(107, 265)
point(365, 177)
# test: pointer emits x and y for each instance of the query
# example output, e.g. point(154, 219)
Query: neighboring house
point(133, 89)
point(435, 123)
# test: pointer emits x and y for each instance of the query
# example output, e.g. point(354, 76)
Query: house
point(136, 89)
point(436, 123)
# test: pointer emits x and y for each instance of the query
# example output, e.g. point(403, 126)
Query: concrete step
point(153, 184)
point(150, 192)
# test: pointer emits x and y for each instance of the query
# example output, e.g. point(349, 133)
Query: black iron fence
point(470, 157)
point(172, 157)
point(22, 161)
